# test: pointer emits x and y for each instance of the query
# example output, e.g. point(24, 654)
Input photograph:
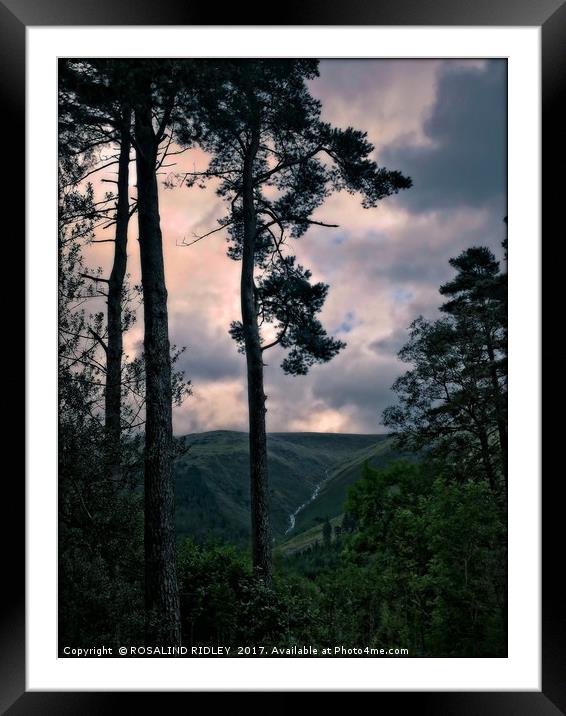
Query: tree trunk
point(161, 590)
point(501, 423)
point(113, 392)
point(259, 485)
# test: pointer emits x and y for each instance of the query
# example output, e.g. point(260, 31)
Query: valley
point(309, 477)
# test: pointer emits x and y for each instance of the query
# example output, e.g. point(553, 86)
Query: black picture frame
point(15, 16)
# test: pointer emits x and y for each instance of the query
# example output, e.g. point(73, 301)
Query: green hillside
point(212, 479)
point(333, 492)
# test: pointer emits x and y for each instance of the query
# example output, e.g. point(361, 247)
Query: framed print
point(268, 413)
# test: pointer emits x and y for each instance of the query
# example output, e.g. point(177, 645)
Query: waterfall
point(293, 515)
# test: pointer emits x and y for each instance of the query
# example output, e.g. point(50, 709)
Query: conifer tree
point(452, 402)
point(277, 161)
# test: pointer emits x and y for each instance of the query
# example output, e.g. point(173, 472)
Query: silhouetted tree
point(99, 537)
point(100, 97)
point(154, 91)
point(452, 402)
point(277, 162)
point(478, 293)
point(95, 113)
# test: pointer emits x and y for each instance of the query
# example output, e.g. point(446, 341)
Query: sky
point(441, 122)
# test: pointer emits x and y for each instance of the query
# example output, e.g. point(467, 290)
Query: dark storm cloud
point(210, 353)
point(464, 163)
point(419, 254)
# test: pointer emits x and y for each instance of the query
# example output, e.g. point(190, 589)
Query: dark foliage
point(453, 400)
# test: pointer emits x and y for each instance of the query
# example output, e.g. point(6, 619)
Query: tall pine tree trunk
point(259, 484)
point(499, 411)
point(113, 401)
point(161, 590)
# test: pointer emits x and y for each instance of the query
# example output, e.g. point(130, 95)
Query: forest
point(280, 540)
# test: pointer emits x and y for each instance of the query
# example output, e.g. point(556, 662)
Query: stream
point(293, 515)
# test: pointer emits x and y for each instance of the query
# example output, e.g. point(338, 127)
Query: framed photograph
point(283, 381)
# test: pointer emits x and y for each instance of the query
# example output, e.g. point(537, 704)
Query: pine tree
point(154, 94)
point(277, 161)
point(95, 113)
point(478, 293)
point(452, 402)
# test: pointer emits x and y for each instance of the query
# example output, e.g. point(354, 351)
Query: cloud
point(211, 353)
point(385, 98)
point(212, 406)
point(392, 343)
point(361, 383)
point(440, 121)
point(464, 161)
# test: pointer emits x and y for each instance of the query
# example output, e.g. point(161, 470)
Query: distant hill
point(212, 480)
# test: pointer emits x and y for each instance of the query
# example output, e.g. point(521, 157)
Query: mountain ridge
point(212, 478)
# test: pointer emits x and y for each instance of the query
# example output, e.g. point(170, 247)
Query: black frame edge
point(551, 16)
